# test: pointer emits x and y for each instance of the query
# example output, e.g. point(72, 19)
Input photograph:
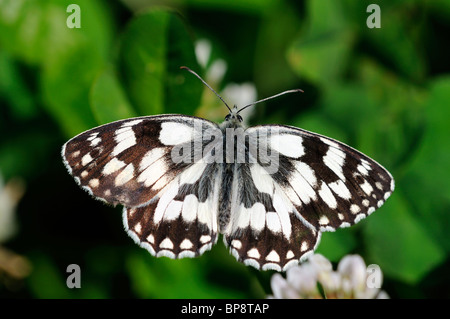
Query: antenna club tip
point(184, 67)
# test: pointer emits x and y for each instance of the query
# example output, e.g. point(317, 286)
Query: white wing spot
point(355, 209)
point(288, 145)
point(366, 164)
point(340, 189)
point(190, 206)
point(113, 166)
point(150, 157)
point(151, 239)
point(262, 180)
point(273, 256)
point(362, 170)
point(236, 244)
point(273, 222)
point(86, 159)
point(94, 182)
point(173, 210)
point(242, 218)
point(205, 239)
point(304, 246)
point(152, 173)
point(366, 187)
point(307, 172)
point(131, 211)
point(193, 173)
point(76, 154)
point(257, 217)
point(92, 136)
point(283, 213)
point(166, 244)
point(126, 175)
point(168, 195)
point(327, 196)
point(379, 186)
point(125, 138)
point(138, 228)
point(173, 133)
point(334, 159)
point(253, 253)
point(324, 220)
point(290, 254)
point(366, 202)
point(186, 244)
point(84, 174)
point(302, 188)
point(95, 141)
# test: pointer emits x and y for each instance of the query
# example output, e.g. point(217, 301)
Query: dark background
point(383, 91)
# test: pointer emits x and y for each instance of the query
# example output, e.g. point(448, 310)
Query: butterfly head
point(233, 116)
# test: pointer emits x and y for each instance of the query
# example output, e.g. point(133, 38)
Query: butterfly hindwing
point(264, 230)
point(181, 221)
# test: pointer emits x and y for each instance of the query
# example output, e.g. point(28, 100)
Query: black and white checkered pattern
point(270, 219)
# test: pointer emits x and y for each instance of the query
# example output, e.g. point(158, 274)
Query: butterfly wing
point(181, 221)
point(128, 162)
point(304, 182)
point(264, 231)
point(149, 165)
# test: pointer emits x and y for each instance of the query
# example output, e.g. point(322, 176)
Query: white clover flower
point(351, 280)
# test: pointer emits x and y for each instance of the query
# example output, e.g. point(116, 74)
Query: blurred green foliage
point(384, 91)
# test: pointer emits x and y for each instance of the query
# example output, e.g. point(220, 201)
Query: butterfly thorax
point(233, 149)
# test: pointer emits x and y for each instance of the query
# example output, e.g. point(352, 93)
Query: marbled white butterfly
point(270, 190)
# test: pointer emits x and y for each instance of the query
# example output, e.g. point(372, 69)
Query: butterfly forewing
point(330, 184)
point(130, 161)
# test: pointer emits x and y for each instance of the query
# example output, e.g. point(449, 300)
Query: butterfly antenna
point(270, 97)
point(203, 81)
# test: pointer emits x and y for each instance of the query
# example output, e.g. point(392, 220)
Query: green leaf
point(398, 40)
point(154, 47)
point(335, 245)
point(433, 157)
point(44, 272)
point(167, 278)
point(399, 243)
point(36, 31)
point(14, 88)
point(108, 100)
point(426, 174)
point(321, 53)
point(67, 98)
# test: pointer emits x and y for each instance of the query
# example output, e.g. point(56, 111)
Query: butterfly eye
point(227, 118)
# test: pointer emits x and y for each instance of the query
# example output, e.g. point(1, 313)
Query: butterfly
point(270, 190)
